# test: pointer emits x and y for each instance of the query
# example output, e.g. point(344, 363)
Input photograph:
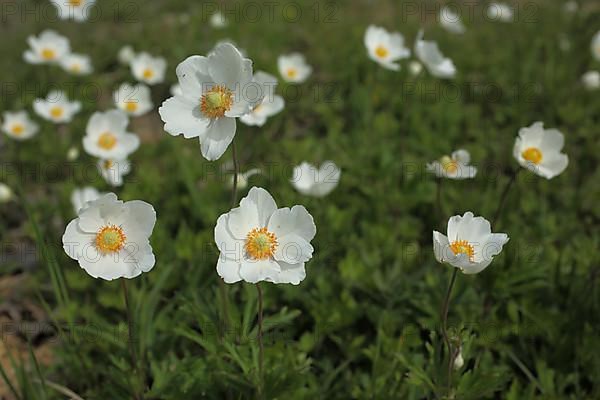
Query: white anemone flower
point(596, 46)
point(450, 21)
point(470, 245)
point(293, 68)
point(78, 10)
point(77, 64)
point(435, 62)
point(415, 68)
point(126, 55)
point(18, 125)
point(243, 178)
point(259, 242)
point(217, 89)
point(317, 182)
point(81, 196)
point(113, 171)
point(385, 48)
point(218, 21)
point(500, 12)
point(148, 69)
point(271, 105)
point(455, 166)
point(106, 136)
point(135, 100)
point(47, 48)
point(110, 239)
point(539, 150)
point(6, 193)
point(73, 153)
point(56, 107)
point(591, 80)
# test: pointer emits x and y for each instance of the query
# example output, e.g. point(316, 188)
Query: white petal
point(242, 220)
point(228, 270)
point(263, 202)
point(182, 116)
point(229, 247)
point(291, 273)
point(295, 221)
point(218, 137)
point(254, 271)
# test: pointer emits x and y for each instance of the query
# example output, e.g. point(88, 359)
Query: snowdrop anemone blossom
point(500, 12)
point(271, 104)
point(113, 171)
point(78, 10)
point(18, 125)
point(110, 238)
point(591, 80)
point(455, 166)
point(293, 68)
point(435, 62)
point(106, 136)
point(596, 46)
point(48, 48)
point(6, 193)
point(539, 150)
point(259, 242)
point(81, 196)
point(385, 48)
point(218, 21)
point(56, 107)
point(470, 245)
point(148, 69)
point(77, 64)
point(126, 55)
point(450, 21)
point(217, 89)
point(135, 100)
point(317, 182)
point(415, 68)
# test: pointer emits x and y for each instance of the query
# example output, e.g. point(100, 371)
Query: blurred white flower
point(135, 100)
point(571, 7)
point(454, 167)
point(73, 153)
point(110, 239)
point(500, 12)
point(81, 196)
point(271, 104)
point(539, 150)
point(450, 21)
point(243, 178)
point(78, 10)
point(126, 55)
point(415, 68)
point(48, 48)
point(217, 89)
point(317, 182)
point(113, 171)
point(435, 62)
point(596, 46)
point(591, 80)
point(385, 48)
point(458, 361)
point(18, 126)
point(293, 68)
point(148, 69)
point(56, 107)
point(470, 244)
point(217, 20)
point(107, 138)
point(258, 242)
point(6, 193)
point(77, 64)
point(176, 90)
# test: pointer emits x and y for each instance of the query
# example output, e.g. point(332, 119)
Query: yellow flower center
point(108, 164)
point(148, 73)
point(216, 102)
point(110, 239)
point(449, 165)
point(462, 247)
point(131, 106)
point(260, 244)
point(17, 129)
point(381, 51)
point(56, 112)
point(75, 3)
point(532, 154)
point(291, 73)
point(48, 54)
point(107, 141)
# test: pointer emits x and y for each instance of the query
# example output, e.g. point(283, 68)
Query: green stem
point(134, 363)
point(260, 341)
point(504, 195)
point(445, 307)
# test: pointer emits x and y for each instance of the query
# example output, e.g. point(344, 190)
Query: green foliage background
point(365, 322)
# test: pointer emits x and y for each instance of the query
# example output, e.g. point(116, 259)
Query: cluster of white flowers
point(51, 48)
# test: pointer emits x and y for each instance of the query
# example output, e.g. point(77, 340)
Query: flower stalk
point(138, 392)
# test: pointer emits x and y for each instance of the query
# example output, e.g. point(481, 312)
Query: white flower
point(79, 10)
point(470, 244)
point(113, 171)
point(293, 68)
point(81, 196)
point(126, 55)
point(591, 80)
point(110, 239)
point(501, 12)
point(415, 68)
point(538, 150)
point(106, 136)
point(596, 46)
point(77, 64)
point(48, 47)
point(216, 90)
point(176, 90)
point(435, 62)
point(571, 7)
point(243, 178)
point(72, 153)
point(18, 125)
point(217, 20)
point(231, 42)
point(458, 360)
point(450, 21)
point(56, 107)
point(135, 100)
point(6, 193)
point(259, 242)
point(317, 182)
point(454, 167)
point(271, 104)
point(148, 69)
point(385, 48)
